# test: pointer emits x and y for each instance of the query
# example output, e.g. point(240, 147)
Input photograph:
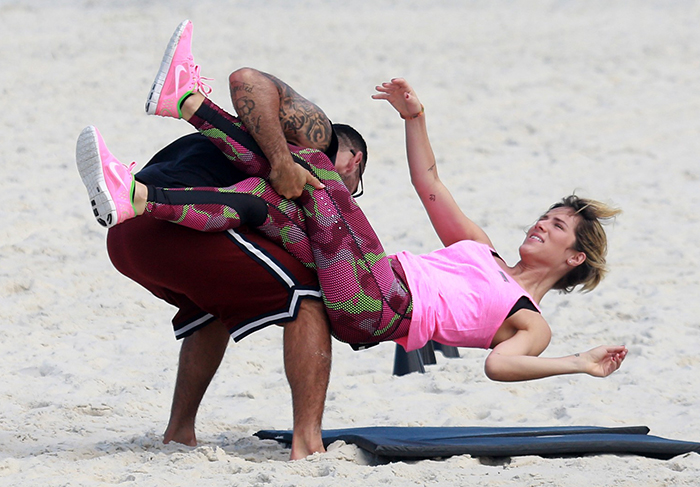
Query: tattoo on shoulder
point(431, 167)
point(302, 120)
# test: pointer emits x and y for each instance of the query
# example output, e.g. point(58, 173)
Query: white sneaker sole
point(154, 94)
point(87, 157)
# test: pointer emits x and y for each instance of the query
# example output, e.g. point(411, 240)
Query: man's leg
point(307, 362)
point(200, 356)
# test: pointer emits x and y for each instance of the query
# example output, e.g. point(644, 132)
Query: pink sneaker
point(178, 76)
point(109, 183)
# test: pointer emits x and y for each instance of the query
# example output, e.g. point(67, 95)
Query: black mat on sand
point(430, 442)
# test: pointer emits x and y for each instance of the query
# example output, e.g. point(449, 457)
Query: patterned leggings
point(366, 300)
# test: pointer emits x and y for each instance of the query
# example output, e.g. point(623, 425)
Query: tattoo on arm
point(239, 86)
point(245, 106)
point(432, 197)
point(431, 168)
point(303, 122)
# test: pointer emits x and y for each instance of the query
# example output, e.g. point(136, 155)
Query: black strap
point(522, 303)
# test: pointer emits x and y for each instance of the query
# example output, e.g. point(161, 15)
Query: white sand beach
point(526, 102)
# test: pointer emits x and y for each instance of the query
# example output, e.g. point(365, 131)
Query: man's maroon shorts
point(238, 277)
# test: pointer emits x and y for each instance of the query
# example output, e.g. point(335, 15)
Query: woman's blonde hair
point(590, 239)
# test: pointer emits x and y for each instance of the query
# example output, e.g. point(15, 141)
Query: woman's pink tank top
point(461, 296)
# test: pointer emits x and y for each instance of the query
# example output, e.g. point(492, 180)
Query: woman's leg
point(209, 209)
point(231, 137)
point(365, 298)
point(250, 202)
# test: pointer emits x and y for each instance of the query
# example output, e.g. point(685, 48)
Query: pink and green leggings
point(364, 291)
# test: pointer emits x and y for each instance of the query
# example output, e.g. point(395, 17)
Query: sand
point(525, 101)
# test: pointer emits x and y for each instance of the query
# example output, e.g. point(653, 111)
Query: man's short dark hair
point(350, 138)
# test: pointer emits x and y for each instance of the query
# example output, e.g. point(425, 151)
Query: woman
point(565, 248)
point(463, 295)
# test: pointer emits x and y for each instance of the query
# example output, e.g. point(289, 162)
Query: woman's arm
point(516, 359)
point(450, 223)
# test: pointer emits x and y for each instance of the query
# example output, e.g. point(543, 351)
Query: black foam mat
point(431, 442)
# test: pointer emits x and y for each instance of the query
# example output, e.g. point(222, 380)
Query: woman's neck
point(536, 280)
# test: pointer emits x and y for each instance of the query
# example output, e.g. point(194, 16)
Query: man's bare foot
point(302, 449)
point(183, 435)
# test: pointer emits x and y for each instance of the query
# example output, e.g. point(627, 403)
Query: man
point(200, 273)
point(182, 266)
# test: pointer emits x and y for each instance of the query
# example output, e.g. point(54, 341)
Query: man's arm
point(275, 115)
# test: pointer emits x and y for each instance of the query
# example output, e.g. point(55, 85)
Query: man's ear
point(357, 158)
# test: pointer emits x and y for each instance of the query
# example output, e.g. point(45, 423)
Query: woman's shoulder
point(472, 246)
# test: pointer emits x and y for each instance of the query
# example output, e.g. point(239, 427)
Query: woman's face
point(552, 238)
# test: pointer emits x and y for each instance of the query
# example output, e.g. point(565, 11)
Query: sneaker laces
point(199, 83)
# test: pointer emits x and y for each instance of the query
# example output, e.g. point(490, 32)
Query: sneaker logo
point(114, 167)
point(178, 70)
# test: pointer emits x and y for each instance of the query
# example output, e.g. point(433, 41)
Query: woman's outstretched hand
point(401, 96)
point(603, 361)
